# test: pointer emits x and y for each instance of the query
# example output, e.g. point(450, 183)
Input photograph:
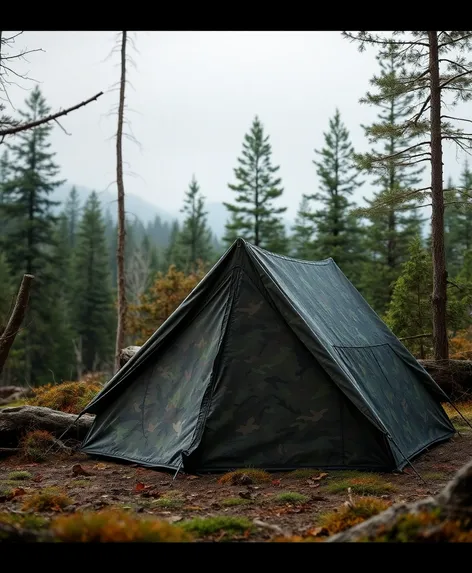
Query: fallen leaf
point(38, 478)
point(174, 518)
point(78, 470)
point(194, 507)
point(276, 482)
point(141, 487)
point(193, 477)
point(17, 492)
point(319, 477)
point(312, 483)
point(100, 466)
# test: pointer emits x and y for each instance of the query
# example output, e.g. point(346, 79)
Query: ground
point(292, 502)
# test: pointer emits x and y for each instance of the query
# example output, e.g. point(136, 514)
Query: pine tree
point(93, 313)
point(338, 234)
point(303, 232)
point(4, 176)
point(253, 215)
point(195, 236)
point(171, 253)
point(409, 311)
point(29, 242)
point(72, 212)
point(391, 229)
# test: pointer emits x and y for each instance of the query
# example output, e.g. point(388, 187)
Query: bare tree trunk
point(13, 326)
point(120, 252)
point(439, 295)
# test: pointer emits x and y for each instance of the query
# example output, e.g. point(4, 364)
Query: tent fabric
point(270, 362)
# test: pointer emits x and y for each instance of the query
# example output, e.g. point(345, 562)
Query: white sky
point(195, 95)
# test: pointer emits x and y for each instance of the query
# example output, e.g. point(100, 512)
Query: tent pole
point(460, 413)
point(178, 470)
point(65, 432)
point(408, 461)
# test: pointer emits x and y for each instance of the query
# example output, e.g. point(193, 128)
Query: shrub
point(48, 499)
point(115, 526)
point(70, 397)
point(19, 475)
point(291, 497)
point(36, 445)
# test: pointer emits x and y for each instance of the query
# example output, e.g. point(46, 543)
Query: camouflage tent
point(275, 363)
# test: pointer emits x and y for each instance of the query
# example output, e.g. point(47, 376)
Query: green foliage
point(19, 475)
point(360, 483)
point(69, 397)
point(253, 215)
point(352, 514)
point(338, 234)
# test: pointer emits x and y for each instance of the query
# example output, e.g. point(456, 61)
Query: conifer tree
point(93, 314)
point(303, 232)
point(392, 227)
point(338, 233)
point(29, 242)
point(172, 249)
point(195, 236)
point(72, 212)
point(253, 215)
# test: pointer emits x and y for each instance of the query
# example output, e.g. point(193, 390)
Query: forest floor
point(261, 507)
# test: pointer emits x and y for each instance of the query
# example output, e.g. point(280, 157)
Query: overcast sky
point(194, 96)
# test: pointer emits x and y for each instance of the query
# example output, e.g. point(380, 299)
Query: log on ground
point(16, 421)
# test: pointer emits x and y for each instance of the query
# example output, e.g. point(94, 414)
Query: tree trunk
point(15, 422)
point(11, 330)
point(439, 295)
point(120, 251)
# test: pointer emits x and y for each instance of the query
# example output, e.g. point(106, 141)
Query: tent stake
point(408, 461)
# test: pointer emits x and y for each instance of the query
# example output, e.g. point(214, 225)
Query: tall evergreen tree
point(4, 176)
point(172, 249)
point(253, 215)
point(391, 228)
point(72, 212)
point(338, 234)
point(195, 236)
point(29, 242)
point(303, 232)
point(93, 313)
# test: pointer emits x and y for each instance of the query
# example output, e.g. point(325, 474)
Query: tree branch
point(453, 63)
point(32, 124)
point(454, 41)
point(442, 86)
point(456, 118)
point(16, 318)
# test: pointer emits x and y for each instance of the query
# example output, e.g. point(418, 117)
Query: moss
point(19, 475)
point(303, 473)
point(348, 516)
point(202, 526)
point(360, 483)
point(257, 476)
point(70, 397)
point(48, 499)
point(115, 526)
point(36, 445)
point(291, 497)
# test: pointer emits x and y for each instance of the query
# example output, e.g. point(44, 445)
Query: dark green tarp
point(275, 363)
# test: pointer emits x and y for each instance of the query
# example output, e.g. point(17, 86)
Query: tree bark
point(8, 336)
point(439, 294)
point(15, 422)
point(120, 251)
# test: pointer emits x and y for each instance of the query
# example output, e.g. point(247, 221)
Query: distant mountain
point(145, 210)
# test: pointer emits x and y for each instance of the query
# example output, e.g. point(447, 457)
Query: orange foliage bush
point(36, 445)
point(460, 346)
point(49, 499)
point(163, 297)
point(70, 397)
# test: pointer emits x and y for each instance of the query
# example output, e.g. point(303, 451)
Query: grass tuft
point(360, 483)
point(70, 397)
point(115, 526)
point(234, 501)
point(168, 502)
point(48, 499)
point(26, 521)
point(303, 473)
point(202, 526)
point(257, 476)
point(19, 475)
point(291, 497)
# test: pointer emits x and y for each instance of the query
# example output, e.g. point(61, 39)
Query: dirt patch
point(289, 502)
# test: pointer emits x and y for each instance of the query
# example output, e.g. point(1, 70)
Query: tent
point(270, 362)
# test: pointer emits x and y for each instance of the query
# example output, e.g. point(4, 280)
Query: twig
point(427, 335)
point(30, 125)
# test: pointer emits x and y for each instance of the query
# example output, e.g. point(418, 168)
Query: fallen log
point(9, 394)
point(455, 501)
point(15, 422)
point(453, 376)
